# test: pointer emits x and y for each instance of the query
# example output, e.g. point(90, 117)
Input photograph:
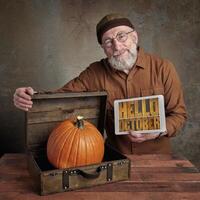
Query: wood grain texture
point(50, 109)
point(174, 178)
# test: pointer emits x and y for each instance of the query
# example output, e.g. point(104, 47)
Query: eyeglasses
point(121, 37)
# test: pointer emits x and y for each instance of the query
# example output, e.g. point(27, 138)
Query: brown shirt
point(150, 75)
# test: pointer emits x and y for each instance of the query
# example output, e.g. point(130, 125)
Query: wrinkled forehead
point(113, 31)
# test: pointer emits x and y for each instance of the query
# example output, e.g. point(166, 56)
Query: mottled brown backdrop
point(46, 43)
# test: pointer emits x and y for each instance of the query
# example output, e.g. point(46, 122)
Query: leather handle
point(90, 175)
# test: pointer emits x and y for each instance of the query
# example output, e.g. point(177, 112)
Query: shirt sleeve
point(175, 108)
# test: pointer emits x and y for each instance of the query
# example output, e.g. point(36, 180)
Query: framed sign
point(141, 115)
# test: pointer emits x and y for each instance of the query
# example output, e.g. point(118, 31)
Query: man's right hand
point(22, 98)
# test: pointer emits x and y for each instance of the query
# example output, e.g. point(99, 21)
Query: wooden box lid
point(50, 109)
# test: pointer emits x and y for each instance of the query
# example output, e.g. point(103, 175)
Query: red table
point(154, 177)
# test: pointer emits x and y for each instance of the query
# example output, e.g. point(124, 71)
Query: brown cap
point(111, 21)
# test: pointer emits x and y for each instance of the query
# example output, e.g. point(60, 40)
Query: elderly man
point(127, 72)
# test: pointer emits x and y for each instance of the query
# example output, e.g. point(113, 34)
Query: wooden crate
point(49, 110)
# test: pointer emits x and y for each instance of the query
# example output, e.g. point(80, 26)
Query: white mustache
point(118, 53)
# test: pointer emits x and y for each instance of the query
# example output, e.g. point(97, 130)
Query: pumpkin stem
point(79, 122)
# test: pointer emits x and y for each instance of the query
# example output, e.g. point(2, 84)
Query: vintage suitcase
point(49, 110)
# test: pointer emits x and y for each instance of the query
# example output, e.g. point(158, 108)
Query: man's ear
point(135, 35)
point(104, 49)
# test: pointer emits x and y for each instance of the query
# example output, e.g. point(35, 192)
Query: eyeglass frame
point(116, 37)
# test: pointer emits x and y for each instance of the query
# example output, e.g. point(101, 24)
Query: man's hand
point(142, 137)
point(22, 98)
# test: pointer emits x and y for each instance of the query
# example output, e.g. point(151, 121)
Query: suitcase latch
point(109, 171)
point(65, 179)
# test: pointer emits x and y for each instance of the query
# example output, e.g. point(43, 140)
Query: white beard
point(122, 64)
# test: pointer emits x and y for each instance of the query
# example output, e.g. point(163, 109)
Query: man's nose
point(116, 44)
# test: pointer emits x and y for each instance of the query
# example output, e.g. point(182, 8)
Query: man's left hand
point(142, 137)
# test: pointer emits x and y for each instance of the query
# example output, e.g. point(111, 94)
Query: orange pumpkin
point(73, 144)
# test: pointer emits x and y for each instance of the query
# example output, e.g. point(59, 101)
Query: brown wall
point(44, 44)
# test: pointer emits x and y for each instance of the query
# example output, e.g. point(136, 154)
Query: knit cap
point(111, 21)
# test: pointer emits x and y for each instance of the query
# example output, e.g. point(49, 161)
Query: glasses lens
point(122, 37)
point(108, 43)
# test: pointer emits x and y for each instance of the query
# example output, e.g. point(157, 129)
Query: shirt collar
point(140, 62)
